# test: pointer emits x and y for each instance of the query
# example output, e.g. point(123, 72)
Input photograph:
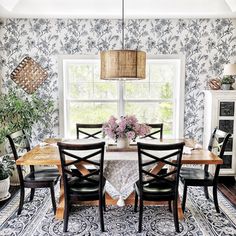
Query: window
point(87, 99)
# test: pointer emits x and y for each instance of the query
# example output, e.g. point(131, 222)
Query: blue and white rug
point(200, 219)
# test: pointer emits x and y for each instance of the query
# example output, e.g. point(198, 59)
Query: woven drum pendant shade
point(123, 64)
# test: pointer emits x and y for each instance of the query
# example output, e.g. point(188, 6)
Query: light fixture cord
point(123, 24)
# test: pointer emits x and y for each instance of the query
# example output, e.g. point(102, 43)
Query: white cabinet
point(220, 111)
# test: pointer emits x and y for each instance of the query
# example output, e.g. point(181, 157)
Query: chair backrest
point(87, 131)
point(81, 154)
point(218, 142)
point(156, 131)
point(19, 144)
point(217, 145)
point(166, 155)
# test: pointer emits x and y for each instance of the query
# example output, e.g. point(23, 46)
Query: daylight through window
point(87, 99)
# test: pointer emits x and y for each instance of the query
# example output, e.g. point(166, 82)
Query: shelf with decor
point(220, 111)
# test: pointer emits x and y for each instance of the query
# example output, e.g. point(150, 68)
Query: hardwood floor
point(227, 186)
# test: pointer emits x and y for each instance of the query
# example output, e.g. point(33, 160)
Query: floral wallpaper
point(206, 45)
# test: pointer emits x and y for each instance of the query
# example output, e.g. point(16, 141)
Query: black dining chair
point(87, 131)
point(203, 177)
point(161, 186)
point(35, 179)
point(78, 186)
point(156, 131)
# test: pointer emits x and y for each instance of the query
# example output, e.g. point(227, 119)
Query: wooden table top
point(49, 155)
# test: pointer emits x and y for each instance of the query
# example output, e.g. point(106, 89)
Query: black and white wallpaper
point(206, 44)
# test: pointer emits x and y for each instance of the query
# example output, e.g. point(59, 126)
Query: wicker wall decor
point(29, 75)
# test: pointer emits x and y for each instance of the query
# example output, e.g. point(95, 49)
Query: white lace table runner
point(121, 176)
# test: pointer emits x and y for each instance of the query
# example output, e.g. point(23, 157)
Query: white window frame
point(178, 112)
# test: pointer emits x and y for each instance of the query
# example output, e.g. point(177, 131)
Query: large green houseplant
point(19, 112)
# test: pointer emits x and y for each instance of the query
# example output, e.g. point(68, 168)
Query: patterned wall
point(206, 44)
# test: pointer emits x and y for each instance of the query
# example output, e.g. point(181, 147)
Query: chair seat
point(84, 189)
point(156, 191)
point(49, 175)
point(195, 177)
point(76, 185)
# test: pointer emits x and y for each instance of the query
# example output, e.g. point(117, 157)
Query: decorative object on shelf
point(227, 82)
point(6, 168)
point(124, 130)
point(228, 76)
point(214, 84)
point(123, 64)
point(29, 75)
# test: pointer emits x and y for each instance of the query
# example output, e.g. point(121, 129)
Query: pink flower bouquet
point(126, 127)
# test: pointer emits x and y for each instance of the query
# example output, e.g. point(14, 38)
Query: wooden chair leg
point(135, 201)
point(22, 197)
point(66, 217)
point(32, 191)
point(216, 198)
point(206, 192)
point(184, 197)
point(175, 212)
point(101, 213)
point(169, 203)
point(140, 215)
point(54, 206)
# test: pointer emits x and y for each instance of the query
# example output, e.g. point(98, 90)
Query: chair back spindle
point(89, 131)
point(19, 144)
point(156, 131)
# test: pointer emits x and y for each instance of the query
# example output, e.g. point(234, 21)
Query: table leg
point(61, 204)
point(180, 211)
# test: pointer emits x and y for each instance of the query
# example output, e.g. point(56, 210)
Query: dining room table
point(120, 165)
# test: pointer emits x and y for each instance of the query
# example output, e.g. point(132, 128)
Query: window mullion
point(121, 105)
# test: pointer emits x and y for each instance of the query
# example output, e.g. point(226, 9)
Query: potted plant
point(6, 168)
point(227, 82)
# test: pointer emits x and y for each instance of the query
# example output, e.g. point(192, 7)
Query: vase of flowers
point(124, 130)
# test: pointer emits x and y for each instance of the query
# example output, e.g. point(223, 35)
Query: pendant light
point(123, 64)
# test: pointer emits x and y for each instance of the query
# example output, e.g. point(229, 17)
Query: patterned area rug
point(37, 218)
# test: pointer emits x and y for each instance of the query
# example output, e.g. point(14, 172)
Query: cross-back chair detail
point(161, 186)
point(156, 131)
point(79, 186)
point(19, 144)
point(93, 131)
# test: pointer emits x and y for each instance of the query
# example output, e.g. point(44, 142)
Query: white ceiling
point(112, 8)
